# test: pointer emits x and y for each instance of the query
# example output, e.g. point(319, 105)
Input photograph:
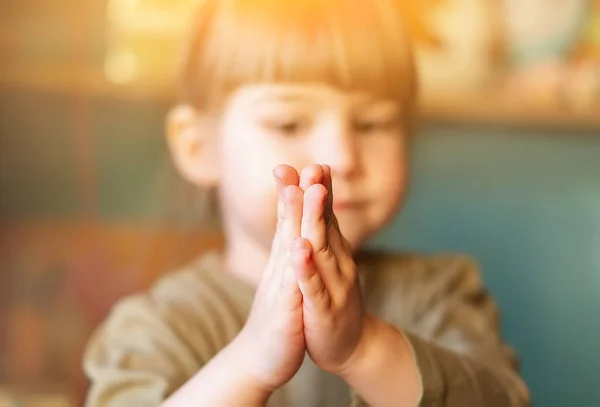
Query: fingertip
point(278, 171)
point(278, 181)
point(292, 193)
point(316, 192)
point(327, 176)
point(286, 174)
point(313, 174)
point(302, 243)
point(312, 171)
point(300, 256)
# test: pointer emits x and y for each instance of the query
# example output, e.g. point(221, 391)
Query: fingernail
point(277, 179)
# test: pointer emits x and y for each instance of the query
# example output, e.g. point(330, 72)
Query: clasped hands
point(309, 298)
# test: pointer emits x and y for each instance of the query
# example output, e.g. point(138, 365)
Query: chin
point(358, 232)
point(356, 238)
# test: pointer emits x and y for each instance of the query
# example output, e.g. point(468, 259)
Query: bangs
point(355, 45)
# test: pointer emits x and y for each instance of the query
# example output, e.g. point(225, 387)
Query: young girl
point(292, 313)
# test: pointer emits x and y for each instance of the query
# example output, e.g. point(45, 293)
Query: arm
point(149, 347)
point(222, 382)
point(187, 328)
point(454, 340)
point(383, 371)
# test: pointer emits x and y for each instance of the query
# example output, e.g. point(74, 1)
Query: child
point(292, 313)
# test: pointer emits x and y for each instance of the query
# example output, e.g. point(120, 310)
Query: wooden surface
point(489, 110)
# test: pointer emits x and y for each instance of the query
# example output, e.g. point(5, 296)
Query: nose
point(336, 146)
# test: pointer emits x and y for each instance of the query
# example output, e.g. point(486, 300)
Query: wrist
point(381, 344)
point(225, 380)
point(383, 369)
point(365, 348)
point(248, 373)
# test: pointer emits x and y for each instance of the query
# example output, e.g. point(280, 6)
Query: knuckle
point(326, 252)
point(342, 297)
point(346, 245)
point(320, 292)
point(332, 222)
point(351, 272)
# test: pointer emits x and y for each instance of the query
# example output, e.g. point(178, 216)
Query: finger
point(345, 265)
point(328, 183)
point(334, 234)
point(338, 243)
point(292, 216)
point(282, 272)
point(284, 176)
point(313, 174)
point(313, 221)
point(314, 292)
point(315, 231)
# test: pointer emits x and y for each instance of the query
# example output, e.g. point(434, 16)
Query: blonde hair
point(361, 45)
point(355, 45)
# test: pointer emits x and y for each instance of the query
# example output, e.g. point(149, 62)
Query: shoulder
point(417, 268)
point(416, 280)
point(185, 318)
point(198, 290)
point(202, 287)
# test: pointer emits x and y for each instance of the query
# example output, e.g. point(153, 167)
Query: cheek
point(248, 190)
point(388, 170)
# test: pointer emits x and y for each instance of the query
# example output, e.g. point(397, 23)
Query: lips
point(346, 205)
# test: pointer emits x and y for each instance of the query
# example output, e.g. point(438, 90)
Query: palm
point(276, 320)
point(333, 312)
point(331, 341)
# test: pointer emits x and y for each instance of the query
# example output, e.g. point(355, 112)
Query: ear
point(193, 143)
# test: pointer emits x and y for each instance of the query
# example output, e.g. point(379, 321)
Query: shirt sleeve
point(151, 344)
point(452, 325)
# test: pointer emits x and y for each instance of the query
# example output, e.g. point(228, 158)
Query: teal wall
point(526, 205)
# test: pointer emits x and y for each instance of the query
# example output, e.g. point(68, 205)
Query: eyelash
point(368, 126)
point(289, 128)
point(293, 128)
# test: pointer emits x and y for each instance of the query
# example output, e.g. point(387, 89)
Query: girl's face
point(359, 136)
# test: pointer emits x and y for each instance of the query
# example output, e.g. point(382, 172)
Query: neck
point(244, 257)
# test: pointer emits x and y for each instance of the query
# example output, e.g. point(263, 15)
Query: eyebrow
point(283, 96)
point(379, 107)
point(359, 102)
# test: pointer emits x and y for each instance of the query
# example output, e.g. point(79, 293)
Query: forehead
point(310, 94)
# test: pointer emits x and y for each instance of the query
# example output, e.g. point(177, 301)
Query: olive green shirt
point(152, 343)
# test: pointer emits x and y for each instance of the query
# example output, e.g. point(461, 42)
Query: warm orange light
point(144, 36)
point(418, 14)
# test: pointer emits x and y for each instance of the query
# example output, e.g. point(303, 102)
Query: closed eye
point(371, 126)
point(285, 128)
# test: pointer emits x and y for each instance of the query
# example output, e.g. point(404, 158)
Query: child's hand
point(273, 334)
point(334, 318)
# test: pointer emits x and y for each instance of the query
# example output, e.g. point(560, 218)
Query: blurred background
point(507, 170)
